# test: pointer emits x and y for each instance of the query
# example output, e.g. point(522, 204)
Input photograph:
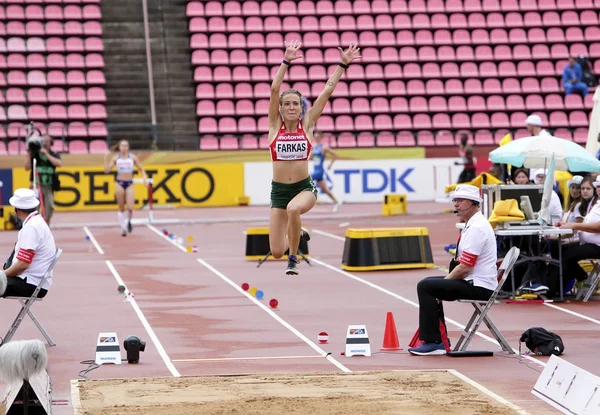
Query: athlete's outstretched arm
point(313, 114)
point(108, 166)
point(137, 163)
point(333, 155)
point(291, 54)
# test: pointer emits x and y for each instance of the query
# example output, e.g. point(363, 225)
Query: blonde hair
point(303, 101)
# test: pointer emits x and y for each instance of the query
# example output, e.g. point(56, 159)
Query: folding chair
point(591, 283)
point(482, 307)
point(27, 302)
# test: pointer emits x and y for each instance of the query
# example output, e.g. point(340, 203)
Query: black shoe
point(129, 227)
point(123, 233)
point(292, 268)
point(304, 235)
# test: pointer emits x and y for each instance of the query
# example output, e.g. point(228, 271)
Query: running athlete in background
point(466, 153)
point(319, 154)
point(291, 126)
point(126, 163)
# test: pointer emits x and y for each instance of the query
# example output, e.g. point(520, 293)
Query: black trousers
point(571, 257)
point(431, 311)
point(18, 287)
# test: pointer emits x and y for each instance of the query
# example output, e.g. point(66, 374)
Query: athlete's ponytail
point(305, 105)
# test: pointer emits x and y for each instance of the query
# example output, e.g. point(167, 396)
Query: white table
point(532, 230)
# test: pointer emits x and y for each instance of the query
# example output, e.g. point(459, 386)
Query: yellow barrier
point(394, 205)
point(5, 223)
point(183, 185)
point(389, 248)
point(257, 245)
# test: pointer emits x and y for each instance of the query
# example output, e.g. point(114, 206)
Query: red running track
point(195, 310)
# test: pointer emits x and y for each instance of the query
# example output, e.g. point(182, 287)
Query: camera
point(134, 345)
point(34, 143)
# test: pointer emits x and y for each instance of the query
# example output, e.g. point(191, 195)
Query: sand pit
point(373, 393)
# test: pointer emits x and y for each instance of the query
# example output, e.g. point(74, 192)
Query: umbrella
point(535, 152)
point(594, 130)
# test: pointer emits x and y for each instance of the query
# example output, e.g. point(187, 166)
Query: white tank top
point(125, 165)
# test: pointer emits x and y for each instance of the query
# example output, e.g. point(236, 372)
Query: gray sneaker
point(292, 268)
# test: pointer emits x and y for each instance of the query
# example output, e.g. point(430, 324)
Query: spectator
point(572, 78)
point(34, 250)
point(554, 207)
point(520, 176)
point(47, 162)
point(533, 123)
point(468, 161)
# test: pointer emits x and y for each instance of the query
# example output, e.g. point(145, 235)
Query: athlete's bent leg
point(323, 185)
point(300, 204)
point(277, 226)
point(130, 200)
point(120, 195)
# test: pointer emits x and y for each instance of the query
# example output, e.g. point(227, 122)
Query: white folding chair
point(27, 302)
point(591, 283)
point(480, 314)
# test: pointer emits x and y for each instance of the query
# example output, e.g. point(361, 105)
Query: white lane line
point(235, 359)
point(330, 235)
point(573, 313)
point(75, 397)
point(166, 238)
point(276, 317)
point(258, 303)
point(96, 244)
point(145, 323)
point(488, 392)
point(410, 302)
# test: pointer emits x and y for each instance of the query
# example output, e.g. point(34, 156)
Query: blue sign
point(6, 177)
point(376, 180)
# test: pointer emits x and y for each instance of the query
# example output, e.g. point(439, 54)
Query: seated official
point(473, 273)
point(34, 251)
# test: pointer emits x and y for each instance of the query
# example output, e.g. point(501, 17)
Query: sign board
point(367, 181)
point(40, 394)
point(108, 349)
point(568, 388)
point(357, 341)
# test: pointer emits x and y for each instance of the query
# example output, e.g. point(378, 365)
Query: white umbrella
point(594, 129)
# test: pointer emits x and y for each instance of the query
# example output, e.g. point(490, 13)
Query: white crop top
point(125, 165)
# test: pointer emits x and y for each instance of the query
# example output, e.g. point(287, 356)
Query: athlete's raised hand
point(350, 54)
point(291, 50)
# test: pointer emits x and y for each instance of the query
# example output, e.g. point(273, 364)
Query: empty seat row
point(50, 12)
point(382, 105)
point(52, 44)
point(388, 71)
point(53, 78)
point(52, 61)
point(51, 28)
point(386, 54)
point(363, 7)
point(54, 112)
point(387, 22)
point(491, 86)
point(400, 38)
point(52, 96)
point(57, 129)
point(383, 139)
point(75, 146)
point(380, 122)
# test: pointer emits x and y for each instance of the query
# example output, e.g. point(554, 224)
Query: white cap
point(467, 191)
point(596, 184)
point(24, 199)
point(534, 120)
point(575, 180)
point(541, 172)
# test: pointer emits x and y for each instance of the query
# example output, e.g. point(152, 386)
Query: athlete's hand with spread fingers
point(291, 50)
point(350, 54)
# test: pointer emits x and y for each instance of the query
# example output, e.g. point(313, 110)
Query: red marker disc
point(273, 303)
point(245, 286)
point(323, 337)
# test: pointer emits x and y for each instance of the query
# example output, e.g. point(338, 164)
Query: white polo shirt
point(35, 235)
point(592, 217)
point(477, 249)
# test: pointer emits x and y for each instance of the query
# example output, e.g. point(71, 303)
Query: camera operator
point(39, 148)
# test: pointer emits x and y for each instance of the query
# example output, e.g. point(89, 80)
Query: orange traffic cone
point(390, 338)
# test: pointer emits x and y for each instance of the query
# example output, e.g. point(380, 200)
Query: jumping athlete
point(291, 126)
point(125, 162)
point(319, 154)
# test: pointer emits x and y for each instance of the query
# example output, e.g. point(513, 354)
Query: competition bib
point(291, 147)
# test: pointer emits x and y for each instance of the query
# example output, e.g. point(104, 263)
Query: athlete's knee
point(277, 253)
point(293, 210)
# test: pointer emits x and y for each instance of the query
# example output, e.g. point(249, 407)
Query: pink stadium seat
point(379, 105)
point(75, 61)
point(92, 28)
point(228, 142)
point(249, 142)
point(461, 121)
point(425, 139)
point(91, 12)
point(37, 112)
point(438, 104)
point(399, 104)
point(77, 112)
point(16, 61)
point(37, 95)
point(16, 113)
point(209, 142)
point(385, 139)
point(361, 123)
point(57, 95)
point(96, 129)
point(16, 147)
point(421, 121)
point(77, 146)
point(580, 135)
point(405, 139)
point(573, 102)
point(558, 119)
point(15, 96)
point(76, 95)
point(346, 140)
point(563, 133)
point(578, 119)
point(480, 120)
point(534, 103)
point(383, 122)
point(553, 102)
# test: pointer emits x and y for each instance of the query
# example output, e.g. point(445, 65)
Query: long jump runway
point(197, 321)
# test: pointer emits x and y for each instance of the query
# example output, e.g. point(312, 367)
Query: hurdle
point(150, 203)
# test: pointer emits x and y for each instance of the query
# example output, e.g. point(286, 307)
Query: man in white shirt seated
point(34, 251)
point(554, 207)
point(533, 123)
point(473, 274)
